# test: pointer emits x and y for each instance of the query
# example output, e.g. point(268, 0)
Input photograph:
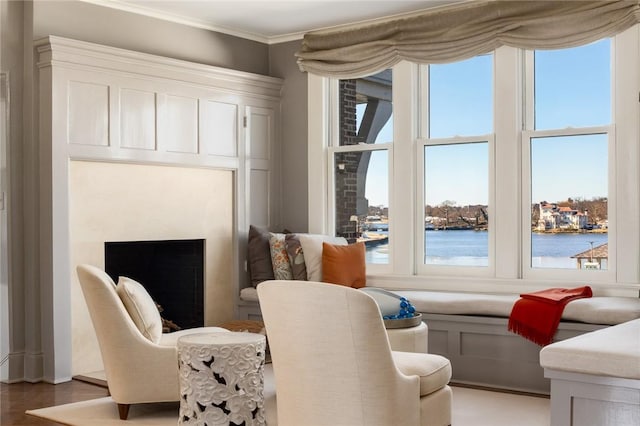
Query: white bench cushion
point(593, 310)
point(450, 303)
point(249, 294)
point(612, 351)
point(603, 310)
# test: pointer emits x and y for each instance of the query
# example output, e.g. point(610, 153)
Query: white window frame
point(607, 275)
point(332, 147)
point(428, 269)
point(422, 142)
point(510, 177)
point(332, 150)
point(623, 234)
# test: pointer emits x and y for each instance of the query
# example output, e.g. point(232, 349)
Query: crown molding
point(179, 19)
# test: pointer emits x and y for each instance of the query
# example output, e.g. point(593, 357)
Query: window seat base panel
point(588, 400)
point(483, 352)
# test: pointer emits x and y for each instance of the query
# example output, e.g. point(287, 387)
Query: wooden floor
point(18, 397)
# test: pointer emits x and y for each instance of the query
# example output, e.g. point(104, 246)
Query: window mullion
point(402, 238)
point(318, 135)
point(506, 183)
point(624, 174)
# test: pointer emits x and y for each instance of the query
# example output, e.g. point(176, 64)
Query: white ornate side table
point(221, 379)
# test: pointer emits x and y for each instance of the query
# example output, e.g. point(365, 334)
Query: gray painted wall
point(12, 298)
point(111, 27)
point(294, 207)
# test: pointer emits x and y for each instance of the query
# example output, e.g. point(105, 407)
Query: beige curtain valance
point(456, 33)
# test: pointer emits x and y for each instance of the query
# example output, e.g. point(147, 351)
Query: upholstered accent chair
point(333, 364)
point(140, 362)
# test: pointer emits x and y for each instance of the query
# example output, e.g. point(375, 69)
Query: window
point(456, 163)
point(532, 156)
point(461, 98)
point(573, 86)
point(456, 192)
point(361, 163)
point(569, 158)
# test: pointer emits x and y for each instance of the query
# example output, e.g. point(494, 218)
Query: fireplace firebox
point(172, 271)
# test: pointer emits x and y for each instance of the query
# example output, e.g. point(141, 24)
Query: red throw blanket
point(536, 315)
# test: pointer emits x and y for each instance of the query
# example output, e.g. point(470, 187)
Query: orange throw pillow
point(344, 265)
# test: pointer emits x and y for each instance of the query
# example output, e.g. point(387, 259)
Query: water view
point(470, 248)
point(565, 161)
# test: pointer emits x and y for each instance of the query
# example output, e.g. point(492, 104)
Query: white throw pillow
point(312, 250)
point(141, 307)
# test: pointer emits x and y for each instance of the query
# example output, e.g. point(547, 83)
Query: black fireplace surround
point(172, 271)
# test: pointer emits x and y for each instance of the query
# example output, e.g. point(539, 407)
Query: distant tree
point(598, 210)
point(535, 214)
point(448, 207)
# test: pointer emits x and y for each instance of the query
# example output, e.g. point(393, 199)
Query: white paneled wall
point(101, 104)
point(219, 128)
point(260, 141)
point(138, 114)
point(182, 119)
point(88, 113)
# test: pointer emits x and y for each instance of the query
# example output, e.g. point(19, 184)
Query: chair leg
point(123, 410)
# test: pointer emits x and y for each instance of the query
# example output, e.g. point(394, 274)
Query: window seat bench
point(595, 377)
point(470, 329)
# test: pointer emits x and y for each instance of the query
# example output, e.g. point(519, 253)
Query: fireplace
point(172, 271)
point(117, 202)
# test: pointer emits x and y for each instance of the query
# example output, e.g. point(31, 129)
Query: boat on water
point(375, 226)
point(371, 239)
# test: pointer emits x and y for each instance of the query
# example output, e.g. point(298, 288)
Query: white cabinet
point(107, 105)
point(261, 143)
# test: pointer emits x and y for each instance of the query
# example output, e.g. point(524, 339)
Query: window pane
point(456, 194)
point(362, 200)
point(573, 86)
point(461, 98)
point(366, 109)
point(569, 202)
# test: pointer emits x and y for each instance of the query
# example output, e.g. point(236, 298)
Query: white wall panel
point(181, 124)
point(259, 194)
point(219, 128)
point(88, 113)
point(260, 128)
point(137, 119)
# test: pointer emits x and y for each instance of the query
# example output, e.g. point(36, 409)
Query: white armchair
point(139, 368)
point(333, 364)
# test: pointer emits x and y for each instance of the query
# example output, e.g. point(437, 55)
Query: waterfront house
point(553, 217)
point(548, 216)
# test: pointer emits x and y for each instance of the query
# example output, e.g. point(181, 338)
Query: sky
point(572, 88)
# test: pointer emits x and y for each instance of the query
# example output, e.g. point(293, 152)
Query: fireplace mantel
point(117, 108)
